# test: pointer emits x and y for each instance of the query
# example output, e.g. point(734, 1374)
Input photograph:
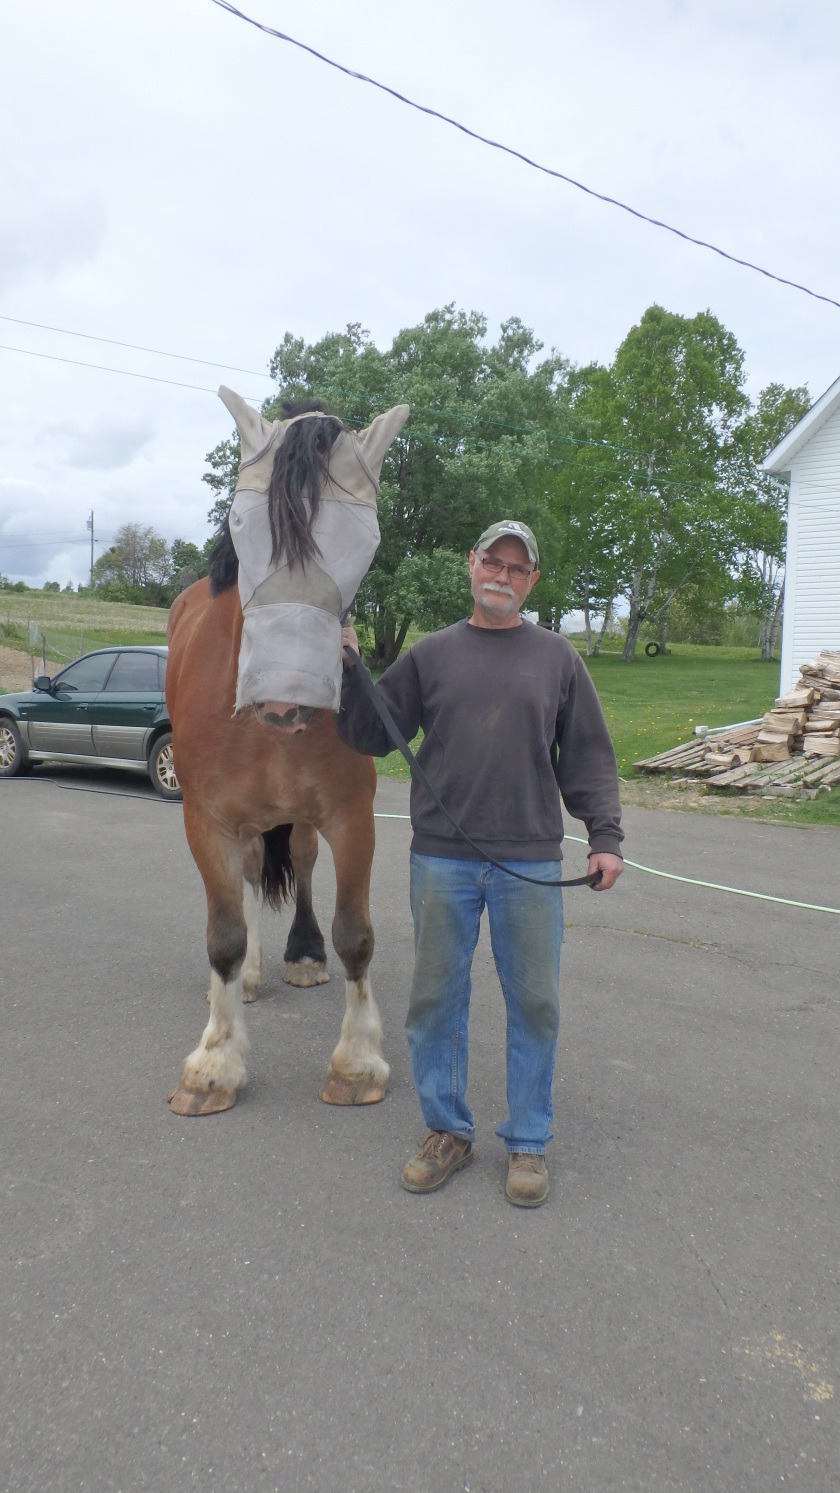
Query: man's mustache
point(497, 586)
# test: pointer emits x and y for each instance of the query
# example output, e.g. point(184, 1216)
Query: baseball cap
point(511, 528)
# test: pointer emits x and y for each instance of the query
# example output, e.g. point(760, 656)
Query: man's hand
point(610, 867)
point(350, 644)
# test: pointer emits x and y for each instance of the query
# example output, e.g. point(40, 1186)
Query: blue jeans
point(526, 932)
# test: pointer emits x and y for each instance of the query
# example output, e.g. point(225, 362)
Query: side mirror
point(43, 682)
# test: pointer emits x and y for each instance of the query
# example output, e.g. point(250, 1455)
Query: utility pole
point(90, 524)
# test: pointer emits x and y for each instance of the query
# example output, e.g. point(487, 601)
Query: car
point(107, 707)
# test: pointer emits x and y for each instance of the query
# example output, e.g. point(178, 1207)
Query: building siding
point(812, 572)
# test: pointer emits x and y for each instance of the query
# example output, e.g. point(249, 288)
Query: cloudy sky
point(174, 178)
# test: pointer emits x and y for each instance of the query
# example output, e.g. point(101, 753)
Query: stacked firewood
point(822, 726)
point(788, 751)
point(807, 718)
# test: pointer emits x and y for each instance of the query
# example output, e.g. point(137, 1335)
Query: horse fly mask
point(291, 637)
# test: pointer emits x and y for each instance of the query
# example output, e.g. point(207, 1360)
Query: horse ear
point(253, 429)
point(378, 436)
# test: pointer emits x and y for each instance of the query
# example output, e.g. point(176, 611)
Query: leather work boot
point(440, 1153)
point(527, 1180)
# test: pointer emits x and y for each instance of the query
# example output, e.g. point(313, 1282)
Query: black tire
point(652, 649)
point(162, 768)
point(14, 757)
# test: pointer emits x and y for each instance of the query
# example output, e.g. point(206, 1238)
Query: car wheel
point(162, 768)
point(13, 755)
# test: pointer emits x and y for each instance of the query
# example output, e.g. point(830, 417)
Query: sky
point(174, 178)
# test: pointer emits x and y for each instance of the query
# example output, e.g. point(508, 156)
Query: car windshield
point(88, 675)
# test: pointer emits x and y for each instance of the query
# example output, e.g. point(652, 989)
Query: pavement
point(251, 1302)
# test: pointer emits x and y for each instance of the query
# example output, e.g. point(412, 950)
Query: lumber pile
point(729, 747)
point(789, 752)
point(821, 680)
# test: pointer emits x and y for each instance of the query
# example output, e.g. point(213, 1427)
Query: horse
point(259, 784)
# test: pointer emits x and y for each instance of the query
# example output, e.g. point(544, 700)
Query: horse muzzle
point(284, 717)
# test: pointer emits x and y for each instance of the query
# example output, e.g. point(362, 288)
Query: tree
point(137, 562)
point(476, 447)
point(763, 507)
point(187, 564)
point(677, 394)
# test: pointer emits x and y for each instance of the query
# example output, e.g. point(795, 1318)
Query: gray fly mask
point(291, 638)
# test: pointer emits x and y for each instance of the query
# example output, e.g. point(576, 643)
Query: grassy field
point(650, 705)
point(655, 703)
point(75, 624)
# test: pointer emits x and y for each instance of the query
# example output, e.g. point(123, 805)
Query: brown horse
point(255, 797)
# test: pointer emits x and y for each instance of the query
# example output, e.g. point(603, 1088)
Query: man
point(509, 715)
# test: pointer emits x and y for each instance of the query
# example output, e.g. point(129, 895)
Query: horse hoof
point(249, 992)
point(186, 1101)
point(305, 972)
point(363, 1089)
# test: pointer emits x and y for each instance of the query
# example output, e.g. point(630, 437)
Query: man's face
point(500, 594)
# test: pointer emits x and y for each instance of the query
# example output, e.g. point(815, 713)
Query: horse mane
point(222, 561)
point(300, 471)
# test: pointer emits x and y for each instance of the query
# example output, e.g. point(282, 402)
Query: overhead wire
point(411, 431)
point(520, 156)
point(422, 435)
point(27, 352)
point(316, 388)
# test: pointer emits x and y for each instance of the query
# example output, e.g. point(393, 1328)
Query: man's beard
point(503, 603)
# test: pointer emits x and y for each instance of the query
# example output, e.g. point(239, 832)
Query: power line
point(152, 378)
point(27, 544)
point(554, 461)
point(314, 388)
point(518, 154)
point(134, 346)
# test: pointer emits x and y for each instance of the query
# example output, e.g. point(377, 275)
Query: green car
point(106, 708)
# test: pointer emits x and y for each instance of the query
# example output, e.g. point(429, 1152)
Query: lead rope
point(414, 767)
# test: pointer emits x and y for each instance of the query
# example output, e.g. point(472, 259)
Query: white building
point(811, 455)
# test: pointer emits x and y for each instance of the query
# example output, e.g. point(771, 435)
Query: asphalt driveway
point(250, 1301)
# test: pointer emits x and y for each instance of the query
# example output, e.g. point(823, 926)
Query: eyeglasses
point(495, 567)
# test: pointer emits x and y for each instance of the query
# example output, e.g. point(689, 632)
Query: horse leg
point(252, 967)
point(358, 1073)
point(215, 1071)
point(305, 953)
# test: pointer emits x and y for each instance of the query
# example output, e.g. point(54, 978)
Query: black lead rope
point(414, 766)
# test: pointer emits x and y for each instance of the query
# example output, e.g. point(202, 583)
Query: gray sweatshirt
point(509, 715)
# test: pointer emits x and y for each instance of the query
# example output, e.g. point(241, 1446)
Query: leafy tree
point(677, 394)
point(476, 447)
point(187, 564)
point(762, 512)
point(137, 565)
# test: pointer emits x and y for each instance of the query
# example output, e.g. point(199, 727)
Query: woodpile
point(788, 752)
point(821, 680)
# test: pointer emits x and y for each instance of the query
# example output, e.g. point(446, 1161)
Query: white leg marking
point(252, 968)
point(359, 1049)
point(218, 1060)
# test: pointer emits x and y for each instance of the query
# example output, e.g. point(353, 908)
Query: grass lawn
point(650, 705)
point(655, 703)
point(76, 624)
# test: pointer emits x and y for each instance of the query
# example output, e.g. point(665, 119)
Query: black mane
point(222, 562)
point(301, 467)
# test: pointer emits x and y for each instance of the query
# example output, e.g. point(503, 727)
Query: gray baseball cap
point(511, 528)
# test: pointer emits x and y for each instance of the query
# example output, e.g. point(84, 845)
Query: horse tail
point(278, 874)
point(299, 474)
